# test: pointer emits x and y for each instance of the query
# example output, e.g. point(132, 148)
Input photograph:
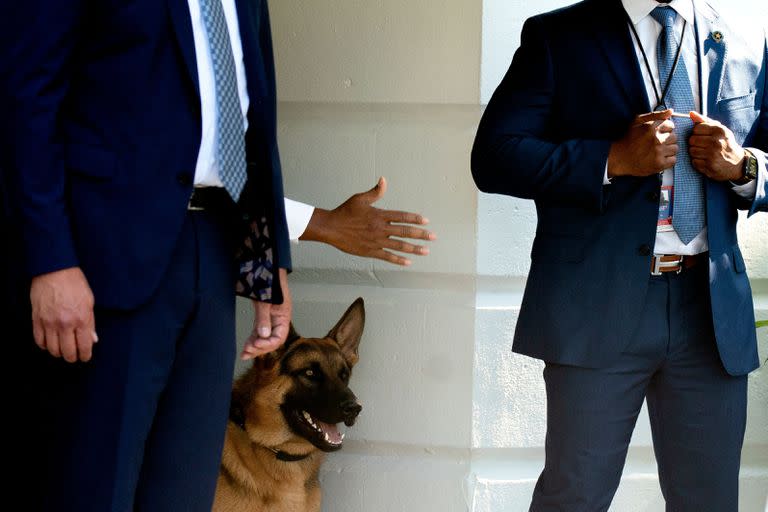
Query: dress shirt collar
point(639, 9)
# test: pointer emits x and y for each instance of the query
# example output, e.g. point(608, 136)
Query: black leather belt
point(207, 198)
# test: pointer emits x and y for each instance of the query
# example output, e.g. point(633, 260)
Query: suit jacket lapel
point(712, 48)
point(615, 39)
point(182, 24)
point(249, 21)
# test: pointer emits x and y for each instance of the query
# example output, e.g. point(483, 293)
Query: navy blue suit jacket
point(102, 113)
point(574, 86)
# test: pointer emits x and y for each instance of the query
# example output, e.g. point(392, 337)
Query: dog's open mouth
point(325, 436)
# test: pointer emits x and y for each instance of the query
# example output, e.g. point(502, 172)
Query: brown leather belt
point(664, 263)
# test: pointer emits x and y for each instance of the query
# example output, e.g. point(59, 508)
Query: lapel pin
point(717, 36)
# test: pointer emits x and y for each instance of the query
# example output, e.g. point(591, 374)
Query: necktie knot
point(665, 16)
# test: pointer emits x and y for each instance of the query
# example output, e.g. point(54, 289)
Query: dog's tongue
point(332, 431)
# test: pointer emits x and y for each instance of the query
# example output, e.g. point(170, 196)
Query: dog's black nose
point(351, 408)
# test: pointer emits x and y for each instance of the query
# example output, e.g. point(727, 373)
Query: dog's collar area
point(289, 457)
point(279, 454)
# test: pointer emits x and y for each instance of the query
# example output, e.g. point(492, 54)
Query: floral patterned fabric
point(256, 260)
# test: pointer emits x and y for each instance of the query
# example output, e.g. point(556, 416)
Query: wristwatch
point(749, 169)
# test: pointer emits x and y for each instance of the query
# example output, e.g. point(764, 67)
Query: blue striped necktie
point(688, 216)
point(230, 140)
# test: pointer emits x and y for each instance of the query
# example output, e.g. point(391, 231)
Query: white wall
point(389, 87)
point(452, 421)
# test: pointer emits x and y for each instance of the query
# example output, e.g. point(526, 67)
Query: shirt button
point(184, 179)
point(644, 250)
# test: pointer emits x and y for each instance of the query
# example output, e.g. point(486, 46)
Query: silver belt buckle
point(658, 264)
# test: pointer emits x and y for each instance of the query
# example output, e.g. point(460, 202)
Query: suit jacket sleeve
point(282, 240)
point(267, 246)
point(760, 203)
point(517, 149)
point(35, 66)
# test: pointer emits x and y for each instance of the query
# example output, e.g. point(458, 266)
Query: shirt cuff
point(298, 215)
point(747, 191)
point(606, 179)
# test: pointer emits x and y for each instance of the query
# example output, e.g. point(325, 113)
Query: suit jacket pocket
point(90, 161)
point(738, 260)
point(558, 248)
point(736, 103)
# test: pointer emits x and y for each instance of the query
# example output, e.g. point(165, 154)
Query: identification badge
point(665, 209)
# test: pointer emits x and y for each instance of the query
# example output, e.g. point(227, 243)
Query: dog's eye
point(309, 373)
point(344, 375)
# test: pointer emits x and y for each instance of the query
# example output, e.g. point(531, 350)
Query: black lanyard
point(659, 98)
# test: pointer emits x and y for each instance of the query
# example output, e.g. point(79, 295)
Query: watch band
point(749, 169)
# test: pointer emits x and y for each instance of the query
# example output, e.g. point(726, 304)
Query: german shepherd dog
point(284, 417)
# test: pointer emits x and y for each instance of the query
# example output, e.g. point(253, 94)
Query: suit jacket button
point(644, 250)
point(184, 179)
point(653, 196)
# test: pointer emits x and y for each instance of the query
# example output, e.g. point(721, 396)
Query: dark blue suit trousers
point(697, 410)
point(141, 427)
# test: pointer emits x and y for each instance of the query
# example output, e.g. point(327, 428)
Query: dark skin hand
point(714, 150)
point(648, 147)
point(357, 227)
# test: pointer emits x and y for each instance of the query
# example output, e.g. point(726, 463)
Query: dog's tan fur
point(252, 478)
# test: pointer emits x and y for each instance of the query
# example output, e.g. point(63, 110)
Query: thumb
point(650, 117)
point(376, 192)
point(262, 322)
point(698, 118)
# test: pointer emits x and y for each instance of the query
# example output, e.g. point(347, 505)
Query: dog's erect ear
point(349, 330)
point(292, 335)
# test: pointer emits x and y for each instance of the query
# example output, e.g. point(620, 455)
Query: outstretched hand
point(357, 227)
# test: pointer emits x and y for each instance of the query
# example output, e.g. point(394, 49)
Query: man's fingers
point(670, 150)
point(698, 141)
point(38, 333)
point(405, 217)
point(705, 129)
point(403, 231)
point(262, 322)
point(667, 138)
point(697, 152)
point(391, 258)
point(667, 126)
point(400, 246)
point(256, 347)
point(701, 165)
point(68, 346)
point(85, 338)
point(698, 118)
point(52, 342)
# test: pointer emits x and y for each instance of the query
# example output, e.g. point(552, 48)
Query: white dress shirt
point(298, 215)
point(648, 30)
point(207, 169)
